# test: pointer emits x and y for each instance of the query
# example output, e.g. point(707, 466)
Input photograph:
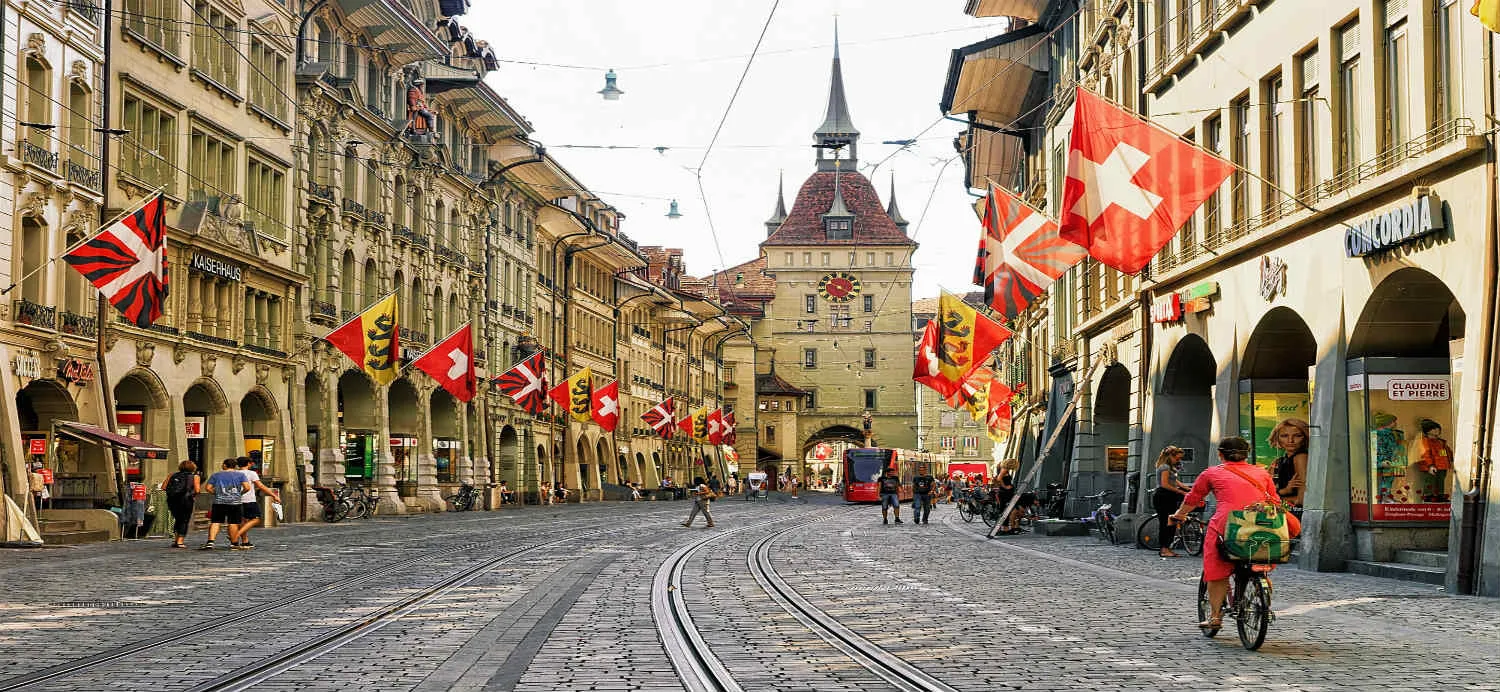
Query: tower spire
point(837, 131)
point(892, 210)
point(777, 218)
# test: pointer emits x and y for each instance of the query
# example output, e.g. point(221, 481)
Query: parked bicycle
point(466, 499)
point(1102, 519)
point(1189, 536)
point(361, 502)
point(1053, 502)
point(335, 509)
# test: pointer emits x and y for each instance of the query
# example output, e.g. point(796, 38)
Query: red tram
point(863, 467)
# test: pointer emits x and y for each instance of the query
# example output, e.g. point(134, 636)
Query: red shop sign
point(46, 476)
point(37, 445)
point(1167, 308)
point(138, 491)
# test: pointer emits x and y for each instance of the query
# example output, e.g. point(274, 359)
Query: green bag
point(1258, 533)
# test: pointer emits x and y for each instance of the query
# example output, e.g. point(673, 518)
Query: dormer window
point(839, 228)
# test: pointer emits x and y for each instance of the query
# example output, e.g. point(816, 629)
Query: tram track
point(237, 619)
point(701, 670)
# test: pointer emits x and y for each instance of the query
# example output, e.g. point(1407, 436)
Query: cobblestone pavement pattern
point(1026, 612)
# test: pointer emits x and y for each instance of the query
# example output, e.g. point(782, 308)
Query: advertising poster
point(1267, 410)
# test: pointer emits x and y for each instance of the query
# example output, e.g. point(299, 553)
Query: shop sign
point(1398, 226)
point(47, 477)
point(1272, 277)
point(37, 445)
point(446, 444)
point(29, 367)
point(1167, 308)
point(214, 266)
point(1417, 389)
point(76, 371)
point(195, 427)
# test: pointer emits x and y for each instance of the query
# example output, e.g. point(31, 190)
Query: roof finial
point(892, 210)
point(837, 131)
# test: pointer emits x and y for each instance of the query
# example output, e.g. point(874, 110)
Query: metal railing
point(375, 217)
point(38, 156)
point(76, 324)
point(82, 175)
point(353, 207)
point(34, 314)
point(320, 191)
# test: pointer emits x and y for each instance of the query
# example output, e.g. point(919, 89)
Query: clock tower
point(839, 325)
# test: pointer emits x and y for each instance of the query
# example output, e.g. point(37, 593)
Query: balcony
point(346, 315)
point(353, 207)
point(413, 337)
point(38, 156)
point(78, 325)
point(476, 267)
point(324, 310)
point(211, 339)
point(404, 233)
point(34, 314)
point(319, 191)
point(81, 175)
point(376, 218)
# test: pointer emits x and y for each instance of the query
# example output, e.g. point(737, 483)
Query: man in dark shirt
point(921, 500)
point(890, 495)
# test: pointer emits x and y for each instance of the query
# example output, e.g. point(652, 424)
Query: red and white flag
point(926, 369)
point(729, 437)
point(659, 417)
point(127, 262)
point(451, 363)
point(606, 408)
point(1130, 185)
point(716, 426)
point(526, 383)
point(1020, 253)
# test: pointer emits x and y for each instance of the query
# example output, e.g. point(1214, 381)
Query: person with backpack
point(181, 489)
point(1235, 484)
point(922, 487)
point(890, 495)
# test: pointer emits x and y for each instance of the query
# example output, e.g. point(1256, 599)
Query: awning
point(993, 156)
point(1029, 10)
point(402, 37)
point(1000, 80)
point(104, 438)
point(465, 91)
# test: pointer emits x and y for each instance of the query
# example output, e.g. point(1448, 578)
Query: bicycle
point(1189, 536)
point(1102, 519)
point(1248, 602)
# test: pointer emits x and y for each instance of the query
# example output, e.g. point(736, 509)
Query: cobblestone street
point(561, 599)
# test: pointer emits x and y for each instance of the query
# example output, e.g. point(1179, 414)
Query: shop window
point(1401, 414)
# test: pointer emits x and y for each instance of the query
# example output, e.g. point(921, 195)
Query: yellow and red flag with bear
point(576, 395)
point(965, 338)
point(372, 340)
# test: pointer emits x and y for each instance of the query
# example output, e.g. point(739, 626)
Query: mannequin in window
point(420, 118)
point(1436, 457)
point(1389, 443)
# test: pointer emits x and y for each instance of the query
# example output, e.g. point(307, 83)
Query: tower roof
point(837, 121)
point(804, 225)
point(892, 210)
point(780, 214)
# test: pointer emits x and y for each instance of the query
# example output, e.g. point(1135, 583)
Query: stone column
point(429, 495)
point(385, 464)
point(194, 303)
point(251, 335)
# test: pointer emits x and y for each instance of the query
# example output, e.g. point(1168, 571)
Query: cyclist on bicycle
point(1235, 484)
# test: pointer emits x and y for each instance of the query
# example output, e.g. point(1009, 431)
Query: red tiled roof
point(771, 383)
point(804, 226)
point(755, 281)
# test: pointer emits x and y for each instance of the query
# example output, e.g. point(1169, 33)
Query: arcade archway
point(1184, 404)
point(1273, 378)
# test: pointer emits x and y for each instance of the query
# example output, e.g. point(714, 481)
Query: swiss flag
point(716, 426)
point(451, 363)
point(1130, 184)
point(728, 429)
point(925, 370)
point(606, 408)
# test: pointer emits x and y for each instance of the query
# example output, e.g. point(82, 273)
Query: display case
point(1400, 460)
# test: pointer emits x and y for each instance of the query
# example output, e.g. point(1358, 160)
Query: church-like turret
point(777, 218)
point(892, 210)
point(837, 139)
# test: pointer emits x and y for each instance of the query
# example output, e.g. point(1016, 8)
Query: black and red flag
point(127, 262)
point(659, 417)
point(526, 383)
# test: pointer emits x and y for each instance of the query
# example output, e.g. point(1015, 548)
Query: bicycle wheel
point(1107, 529)
point(1255, 612)
point(355, 509)
point(1205, 608)
point(965, 512)
point(1190, 534)
point(990, 514)
point(1147, 536)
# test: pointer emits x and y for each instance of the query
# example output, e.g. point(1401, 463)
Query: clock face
point(839, 287)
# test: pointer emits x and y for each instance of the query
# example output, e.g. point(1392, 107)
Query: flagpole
point(101, 315)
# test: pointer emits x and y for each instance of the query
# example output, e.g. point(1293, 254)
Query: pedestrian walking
point(228, 486)
point(713, 483)
point(922, 486)
point(702, 497)
point(792, 484)
point(37, 484)
point(250, 514)
point(890, 495)
point(181, 489)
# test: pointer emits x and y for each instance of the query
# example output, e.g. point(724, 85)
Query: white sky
point(678, 62)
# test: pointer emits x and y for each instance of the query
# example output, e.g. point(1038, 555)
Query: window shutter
point(1309, 70)
point(1349, 38)
point(1395, 10)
